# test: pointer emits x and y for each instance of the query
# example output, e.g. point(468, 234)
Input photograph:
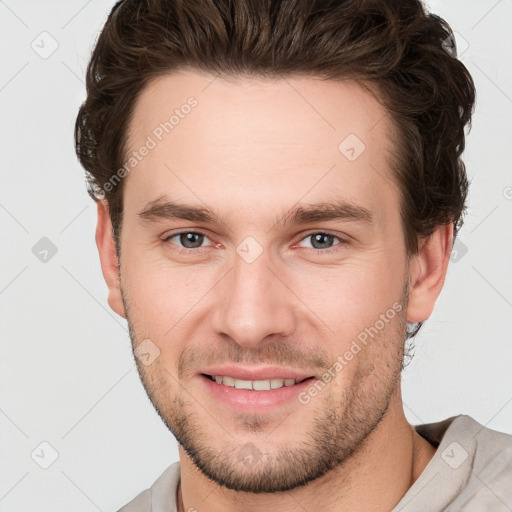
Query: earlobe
point(428, 273)
point(108, 258)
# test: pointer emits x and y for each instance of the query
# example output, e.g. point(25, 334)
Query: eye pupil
point(191, 240)
point(323, 240)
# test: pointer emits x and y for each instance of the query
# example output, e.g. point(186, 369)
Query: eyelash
point(334, 248)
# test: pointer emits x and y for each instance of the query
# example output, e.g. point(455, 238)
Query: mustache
point(276, 353)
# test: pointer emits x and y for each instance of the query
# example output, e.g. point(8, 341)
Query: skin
point(251, 150)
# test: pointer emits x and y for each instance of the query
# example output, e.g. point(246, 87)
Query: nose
point(253, 304)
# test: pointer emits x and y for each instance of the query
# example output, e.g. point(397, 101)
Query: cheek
point(163, 298)
point(352, 296)
point(153, 284)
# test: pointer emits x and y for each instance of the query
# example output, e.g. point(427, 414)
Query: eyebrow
point(164, 209)
point(339, 210)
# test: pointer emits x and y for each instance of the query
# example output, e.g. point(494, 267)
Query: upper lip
point(257, 373)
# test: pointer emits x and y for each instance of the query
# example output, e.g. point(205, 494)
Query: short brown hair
point(393, 46)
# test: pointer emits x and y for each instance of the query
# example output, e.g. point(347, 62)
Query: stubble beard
point(336, 432)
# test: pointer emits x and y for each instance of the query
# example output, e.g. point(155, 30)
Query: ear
point(108, 258)
point(428, 272)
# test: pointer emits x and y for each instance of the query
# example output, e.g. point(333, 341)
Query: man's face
point(251, 293)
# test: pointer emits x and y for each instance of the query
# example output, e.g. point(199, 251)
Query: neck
point(375, 477)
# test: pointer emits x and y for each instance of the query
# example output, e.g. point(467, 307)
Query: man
point(279, 186)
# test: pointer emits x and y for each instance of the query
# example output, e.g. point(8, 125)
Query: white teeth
point(256, 385)
point(228, 381)
point(276, 383)
point(243, 384)
point(261, 385)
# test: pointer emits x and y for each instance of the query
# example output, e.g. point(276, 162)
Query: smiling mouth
point(254, 385)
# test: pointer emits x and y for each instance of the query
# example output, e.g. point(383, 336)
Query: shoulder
point(491, 450)
point(160, 497)
point(489, 457)
point(471, 469)
point(476, 438)
point(483, 444)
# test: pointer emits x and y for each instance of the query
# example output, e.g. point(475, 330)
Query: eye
point(322, 241)
point(187, 239)
point(190, 240)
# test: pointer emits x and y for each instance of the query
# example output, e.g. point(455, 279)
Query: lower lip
point(247, 401)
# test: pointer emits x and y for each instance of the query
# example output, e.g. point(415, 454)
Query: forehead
point(259, 142)
point(244, 110)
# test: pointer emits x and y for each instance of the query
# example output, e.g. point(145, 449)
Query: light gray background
point(67, 376)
